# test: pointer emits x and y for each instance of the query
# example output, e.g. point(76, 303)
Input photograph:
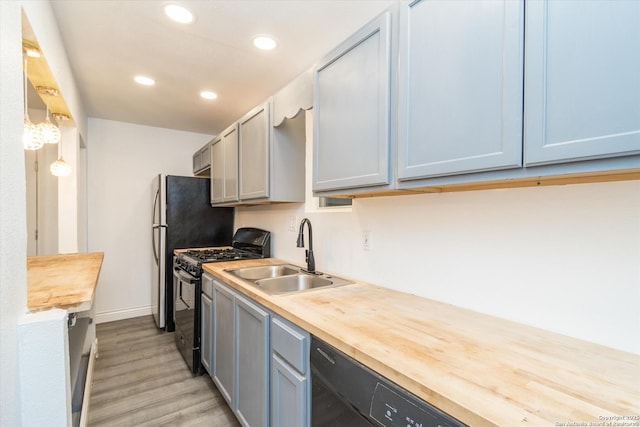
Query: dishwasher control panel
point(391, 409)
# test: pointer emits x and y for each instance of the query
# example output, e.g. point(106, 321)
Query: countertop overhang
point(66, 281)
point(483, 370)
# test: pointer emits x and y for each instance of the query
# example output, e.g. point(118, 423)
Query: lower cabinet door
point(289, 396)
point(224, 338)
point(252, 369)
point(206, 340)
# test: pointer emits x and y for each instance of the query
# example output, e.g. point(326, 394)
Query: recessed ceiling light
point(208, 95)
point(264, 42)
point(144, 80)
point(178, 13)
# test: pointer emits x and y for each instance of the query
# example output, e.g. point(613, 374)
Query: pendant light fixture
point(49, 133)
point(30, 136)
point(60, 167)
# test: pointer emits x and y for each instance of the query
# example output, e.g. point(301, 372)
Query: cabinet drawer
point(291, 343)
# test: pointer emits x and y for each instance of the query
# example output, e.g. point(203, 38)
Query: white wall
point(565, 258)
point(44, 369)
point(123, 158)
point(13, 221)
point(13, 215)
point(68, 197)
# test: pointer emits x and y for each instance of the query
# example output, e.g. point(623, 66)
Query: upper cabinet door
point(460, 87)
point(352, 111)
point(582, 87)
point(230, 142)
point(217, 171)
point(254, 153)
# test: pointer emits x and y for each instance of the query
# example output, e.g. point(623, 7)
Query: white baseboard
point(127, 313)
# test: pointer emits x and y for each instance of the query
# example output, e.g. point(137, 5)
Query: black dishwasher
point(345, 393)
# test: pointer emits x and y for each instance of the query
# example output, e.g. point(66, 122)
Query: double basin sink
point(285, 278)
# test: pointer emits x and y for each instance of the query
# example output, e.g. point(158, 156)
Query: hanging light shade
point(31, 135)
point(49, 133)
point(60, 167)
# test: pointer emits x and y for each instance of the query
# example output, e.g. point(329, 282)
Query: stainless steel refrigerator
point(182, 218)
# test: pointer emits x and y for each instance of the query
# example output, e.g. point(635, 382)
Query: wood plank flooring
point(140, 379)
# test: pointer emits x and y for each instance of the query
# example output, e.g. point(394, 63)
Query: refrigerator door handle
point(156, 255)
point(154, 225)
point(153, 242)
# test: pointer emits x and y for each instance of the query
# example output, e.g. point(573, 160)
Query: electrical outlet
point(366, 240)
point(292, 223)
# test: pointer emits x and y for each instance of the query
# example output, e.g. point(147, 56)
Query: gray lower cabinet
point(460, 93)
point(252, 363)
point(224, 341)
point(206, 327)
point(290, 375)
point(582, 88)
point(224, 167)
point(352, 111)
point(241, 355)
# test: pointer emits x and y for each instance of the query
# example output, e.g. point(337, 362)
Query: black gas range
point(247, 243)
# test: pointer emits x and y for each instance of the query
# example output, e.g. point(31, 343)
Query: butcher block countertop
point(66, 281)
point(482, 370)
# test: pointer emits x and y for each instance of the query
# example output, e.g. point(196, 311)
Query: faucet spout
point(311, 262)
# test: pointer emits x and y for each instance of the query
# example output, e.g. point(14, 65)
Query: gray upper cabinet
point(254, 153)
point(230, 139)
point(460, 87)
point(202, 160)
point(582, 87)
point(224, 161)
point(257, 162)
point(217, 171)
point(352, 111)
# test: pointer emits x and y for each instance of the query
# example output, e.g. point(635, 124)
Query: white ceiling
point(110, 41)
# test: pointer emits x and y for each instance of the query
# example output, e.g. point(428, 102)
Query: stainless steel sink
point(285, 279)
point(298, 282)
point(264, 271)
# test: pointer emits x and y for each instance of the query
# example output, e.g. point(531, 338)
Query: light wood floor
point(140, 379)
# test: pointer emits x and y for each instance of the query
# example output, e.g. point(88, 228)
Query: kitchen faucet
point(311, 262)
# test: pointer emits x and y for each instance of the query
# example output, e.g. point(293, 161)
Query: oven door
point(186, 312)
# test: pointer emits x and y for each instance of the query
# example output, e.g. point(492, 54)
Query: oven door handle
point(184, 277)
point(182, 299)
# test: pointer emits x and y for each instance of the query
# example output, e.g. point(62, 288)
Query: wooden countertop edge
point(445, 404)
point(84, 304)
point(448, 402)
